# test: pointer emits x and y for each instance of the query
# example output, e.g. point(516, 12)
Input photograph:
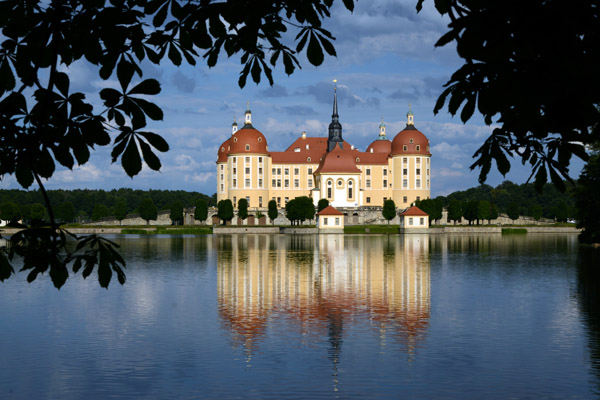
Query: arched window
point(350, 190)
point(405, 147)
point(418, 148)
point(247, 147)
point(329, 189)
point(358, 159)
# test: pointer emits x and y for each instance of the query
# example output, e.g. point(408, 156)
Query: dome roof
point(338, 160)
point(410, 141)
point(380, 146)
point(222, 152)
point(248, 140)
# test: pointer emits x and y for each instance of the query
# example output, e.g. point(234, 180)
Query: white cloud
point(83, 174)
point(448, 151)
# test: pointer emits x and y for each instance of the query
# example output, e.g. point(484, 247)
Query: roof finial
point(248, 116)
point(410, 117)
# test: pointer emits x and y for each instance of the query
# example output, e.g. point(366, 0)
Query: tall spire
point(335, 128)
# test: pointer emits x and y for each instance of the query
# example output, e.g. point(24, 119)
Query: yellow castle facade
point(325, 167)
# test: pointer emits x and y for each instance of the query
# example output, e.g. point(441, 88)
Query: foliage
point(225, 210)
point(100, 211)
point(300, 209)
point(66, 212)
point(201, 210)
point(454, 211)
point(389, 210)
point(432, 207)
point(148, 210)
point(536, 211)
point(322, 204)
point(513, 211)
point(45, 122)
point(470, 209)
point(587, 197)
point(493, 211)
point(272, 211)
point(259, 214)
point(484, 209)
point(176, 214)
point(512, 75)
point(10, 212)
point(120, 209)
point(243, 208)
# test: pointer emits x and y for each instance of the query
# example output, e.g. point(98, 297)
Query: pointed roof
point(414, 210)
point(329, 210)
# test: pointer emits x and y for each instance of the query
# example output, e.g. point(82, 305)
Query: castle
point(325, 167)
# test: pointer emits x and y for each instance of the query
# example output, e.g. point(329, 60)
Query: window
point(296, 171)
point(418, 171)
point(273, 171)
point(421, 221)
point(234, 170)
point(260, 171)
point(247, 159)
point(234, 182)
point(325, 221)
point(234, 200)
point(235, 139)
point(247, 170)
point(286, 200)
point(260, 201)
point(411, 141)
point(337, 220)
point(418, 147)
point(340, 182)
point(310, 183)
point(368, 171)
point(384, 172)
point(278, 182)
point(404, 148)
point(247, 147)
point(427, 183)
point(404, 160)
point(307, 159)
point(296, 183)
point(368, 200)
point(248, 200)
point(287, 183)
point(410, 221)
point(329, 185)
point(278, 171)
point(350, 190)
point(260, 183)
point(368, 183)
point(418, 198)
point(385, 183)
point(234, 160)
point(310, 171)
point(418, 183)
point(259, 158)
point(221, 176)
point(405, 199)
point(418, 160)
point(222, 167)
point(427, 171)
point(404, 171)
point(273, 183)
point(279, 202)
point(404, 183)
point(259, 139)
point(247, 182)
point(287, 171)
point(222, 187)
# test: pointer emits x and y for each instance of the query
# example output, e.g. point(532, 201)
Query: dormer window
point(235, 139)
point(357, 159)
point(405, 147)
point(308, 159)
point(297, 150)
point(410, 141)
point(222, 149)
point(418, 147)
point(247, 147)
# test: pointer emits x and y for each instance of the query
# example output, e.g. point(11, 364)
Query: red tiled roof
point(329, 210)
point(222, 152)
point(404, 137)
point(338, 160)
point(380, 146)
point(256, 141)
point(414, 210)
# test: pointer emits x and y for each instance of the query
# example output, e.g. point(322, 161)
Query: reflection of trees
point(317, 288)
point(588, 293)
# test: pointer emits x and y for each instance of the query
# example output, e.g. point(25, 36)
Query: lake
point(320, 317)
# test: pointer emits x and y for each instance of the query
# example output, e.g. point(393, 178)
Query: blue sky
point(386, 60)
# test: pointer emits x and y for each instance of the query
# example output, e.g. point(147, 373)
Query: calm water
point(278, 317)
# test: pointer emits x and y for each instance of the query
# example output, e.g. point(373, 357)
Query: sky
point(385, 61)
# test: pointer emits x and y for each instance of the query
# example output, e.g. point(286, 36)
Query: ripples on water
point(298, 316)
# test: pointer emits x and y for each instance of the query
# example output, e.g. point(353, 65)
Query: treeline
point(486, 202)
point(87, 204)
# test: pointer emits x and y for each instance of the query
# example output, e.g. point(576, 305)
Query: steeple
point(410, 117)
point(382, 131)
point(234, 127)
point(247, 117)
point(335, 128)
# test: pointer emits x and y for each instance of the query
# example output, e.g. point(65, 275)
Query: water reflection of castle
point(318, 283)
